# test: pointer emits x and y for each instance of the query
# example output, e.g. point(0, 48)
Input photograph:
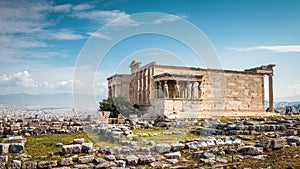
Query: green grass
point(42, 146)
point(157, 135)
point(100, 141)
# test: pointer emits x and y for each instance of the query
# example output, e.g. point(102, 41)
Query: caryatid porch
point(172, 86)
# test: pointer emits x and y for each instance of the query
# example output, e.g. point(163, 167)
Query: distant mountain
point(294, 98)
point(58, 99)
point(283, 105)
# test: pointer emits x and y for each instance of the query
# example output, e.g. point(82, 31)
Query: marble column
point(185, 91)
point(136, 90)
point(109, 92)
point(113, 91)
point(149, 85)
point(140, 87)
point(144, 86)
point(271, 103)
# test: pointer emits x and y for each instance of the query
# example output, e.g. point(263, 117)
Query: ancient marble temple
point(189, 92)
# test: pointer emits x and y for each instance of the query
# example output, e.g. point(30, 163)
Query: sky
point(41, 42)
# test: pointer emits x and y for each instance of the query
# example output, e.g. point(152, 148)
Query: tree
point(116, 106)
point(108, 105)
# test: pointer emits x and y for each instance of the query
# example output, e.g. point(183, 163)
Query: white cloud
point(65, 84)
point(82, 7)
point(65, 35)
point(275, 48)
point(125, 21)
point(62, 8)
point(20, 79)
point(168, 18)
point(25, 25)
point(117, 17)
point(99, 35)
point(99, 15)
point(20, 42)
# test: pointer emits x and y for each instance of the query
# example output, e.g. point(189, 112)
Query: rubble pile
point(219, 145)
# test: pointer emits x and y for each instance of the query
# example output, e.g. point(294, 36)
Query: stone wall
point(220, 91)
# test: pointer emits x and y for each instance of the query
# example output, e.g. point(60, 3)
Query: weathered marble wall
point(222, 91)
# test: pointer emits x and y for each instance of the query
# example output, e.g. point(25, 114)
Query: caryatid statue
point(159, 92)
point(166, 89)
point(189, 90)
point(177, 90)
point(199, 90)
point(195, 90)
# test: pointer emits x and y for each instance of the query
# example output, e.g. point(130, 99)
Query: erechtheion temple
point(189, 92)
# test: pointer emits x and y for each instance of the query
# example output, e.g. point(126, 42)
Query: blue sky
point(41, 40)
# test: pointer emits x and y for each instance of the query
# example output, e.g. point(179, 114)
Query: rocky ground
point(255, 142)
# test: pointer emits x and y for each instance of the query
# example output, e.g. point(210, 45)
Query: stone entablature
point(176, 90)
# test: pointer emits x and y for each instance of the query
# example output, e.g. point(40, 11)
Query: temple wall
point(222, 92)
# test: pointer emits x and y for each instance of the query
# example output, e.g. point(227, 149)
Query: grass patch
point(158, 136)
point(152, 131)
point(100, 141)
point(42, 146)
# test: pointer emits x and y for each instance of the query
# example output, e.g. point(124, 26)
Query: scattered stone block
point(16, 147)
point(85, 159)
point(193, 145)
point(4, 148)
point(293, 139)
point(120, 163)
point(65, 161)
point(16, 139)
point(132, 160)
point(174, 155)
point(78, 140)
point(99, 160)
point(14, 164)
point(59, 144)
point(71, 149)
point(86, 147)
point(278, 143)
point(220, 142)
point(208, 155)
point(290, 132)
point(29, 165)
point(210, 142)
point(82, 166)
point(250, 150)
point(105, 165)
point(163, 148)
point(47, 164)
point(110, 158)
point(145, 159)
point(177, 147)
